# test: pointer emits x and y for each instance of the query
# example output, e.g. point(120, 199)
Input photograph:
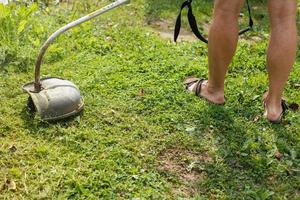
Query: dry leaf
point(278, 155)
point(142, 92)
point(12, 148)
point(9, 185)
point(294, 107)
point(256, 118)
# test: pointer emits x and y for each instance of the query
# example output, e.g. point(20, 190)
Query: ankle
point(273, 107)
point(273, 102)
point(216, 94)
point(216, 90)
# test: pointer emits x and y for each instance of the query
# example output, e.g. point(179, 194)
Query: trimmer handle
point(49, 41)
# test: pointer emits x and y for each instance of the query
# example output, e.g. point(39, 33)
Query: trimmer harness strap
point(193, 23)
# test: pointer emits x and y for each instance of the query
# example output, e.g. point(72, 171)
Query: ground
point(141, 135)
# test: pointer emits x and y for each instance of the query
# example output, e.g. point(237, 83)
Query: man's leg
point(223, 37)
point(281, 53)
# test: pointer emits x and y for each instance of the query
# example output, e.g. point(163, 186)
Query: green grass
point(163, 144)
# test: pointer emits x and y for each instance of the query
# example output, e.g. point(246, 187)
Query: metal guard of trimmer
point(57, 100)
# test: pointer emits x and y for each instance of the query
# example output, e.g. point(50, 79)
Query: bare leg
point(281, 53)
point(223, 37)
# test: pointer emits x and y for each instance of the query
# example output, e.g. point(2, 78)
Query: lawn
point(141, 135)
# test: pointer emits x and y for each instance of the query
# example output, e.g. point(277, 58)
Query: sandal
point(284, 106)
point(189, 81)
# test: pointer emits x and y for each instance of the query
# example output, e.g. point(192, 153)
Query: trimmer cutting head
point(58, 99)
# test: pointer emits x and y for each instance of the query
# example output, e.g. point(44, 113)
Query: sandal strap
point(190, 81)
point(284, 105)
point(199, 87)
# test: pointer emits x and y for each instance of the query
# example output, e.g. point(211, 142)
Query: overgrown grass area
point(141, 136)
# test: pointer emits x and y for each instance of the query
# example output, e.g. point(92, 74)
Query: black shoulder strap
point(250, 26)
point(193, 23)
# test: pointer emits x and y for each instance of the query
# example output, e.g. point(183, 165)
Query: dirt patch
point(165, 30)
point(187, 165)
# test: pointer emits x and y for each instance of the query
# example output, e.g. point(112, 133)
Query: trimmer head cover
point(58, 98)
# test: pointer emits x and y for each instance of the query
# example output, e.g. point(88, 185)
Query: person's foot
point(273, 110)
point(202, 89)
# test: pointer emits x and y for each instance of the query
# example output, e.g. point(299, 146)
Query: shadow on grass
point(37, 126)
point(238, 169)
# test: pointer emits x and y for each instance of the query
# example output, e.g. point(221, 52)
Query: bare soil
point(185, 164)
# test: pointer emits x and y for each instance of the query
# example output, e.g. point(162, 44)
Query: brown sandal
point(284, 106)
point(189, 81)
